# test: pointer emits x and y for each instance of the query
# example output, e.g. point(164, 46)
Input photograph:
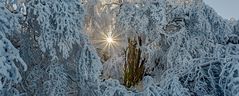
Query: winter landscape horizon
point(119, 48)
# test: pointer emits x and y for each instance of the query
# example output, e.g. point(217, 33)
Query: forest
point(117, 48)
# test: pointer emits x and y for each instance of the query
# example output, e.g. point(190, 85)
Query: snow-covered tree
point(57, 83)
point(9, 55)
point(9, 74)
point(63, 61)
point(53, 19)
point(186, 47)
point(53, 40)
point(181, 42)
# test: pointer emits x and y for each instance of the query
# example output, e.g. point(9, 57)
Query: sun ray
point(108, 41)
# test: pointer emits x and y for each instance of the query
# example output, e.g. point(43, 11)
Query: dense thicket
point(47, 48)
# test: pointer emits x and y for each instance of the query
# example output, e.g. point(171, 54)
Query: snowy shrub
point(194, 45)
point(198, 53)
point(236, 28)
point(150, 88)
point(68, 64)
point(57, 83)
point(60, 23)
point(113, 68)
point(9, 21)
point(9, 72)
point(10, 61)
point(113, 88)
point(88, 72)
point(188, 49)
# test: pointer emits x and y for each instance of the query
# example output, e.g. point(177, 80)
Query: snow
point(113, 68)
point(23, 9)
point(190, 50)
point(57, 84)
point(188, 35)
point(14, 6)
point(9, 57)
point(54, 18)
point(11, 64)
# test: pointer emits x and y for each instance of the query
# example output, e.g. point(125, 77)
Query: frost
point(11, 64)
point(187, 46)
point(14, 6)
point(54, 18)
point(113, 87)
point(9, 72)
point(189, 50)
point(113, 68)
point(57, 83)
point(23, 9)
point(88, 71)
point(8, 22)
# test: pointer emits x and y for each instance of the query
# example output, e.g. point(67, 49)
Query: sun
point(109, 40)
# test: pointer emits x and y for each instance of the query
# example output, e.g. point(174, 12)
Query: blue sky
point(225, 8)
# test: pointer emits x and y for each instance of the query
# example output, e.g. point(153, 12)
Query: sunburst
point(108, 41)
